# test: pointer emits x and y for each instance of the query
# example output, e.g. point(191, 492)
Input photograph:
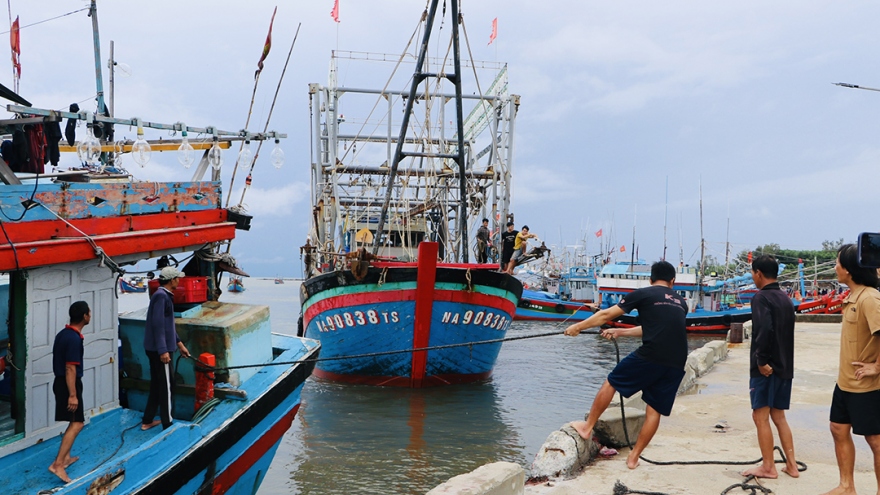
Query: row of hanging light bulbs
point(89, 150)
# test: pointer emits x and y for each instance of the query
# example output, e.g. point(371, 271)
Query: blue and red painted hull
point(700, 321)
point(538, 306)
point(396, 308)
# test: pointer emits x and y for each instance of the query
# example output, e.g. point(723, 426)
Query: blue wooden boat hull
point(539, 306)
point(378, 315)
point(228, 452)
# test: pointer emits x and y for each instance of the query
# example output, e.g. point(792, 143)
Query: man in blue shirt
point(160, 341)
point(67, 365)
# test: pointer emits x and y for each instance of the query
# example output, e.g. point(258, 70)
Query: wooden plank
point(163, 145)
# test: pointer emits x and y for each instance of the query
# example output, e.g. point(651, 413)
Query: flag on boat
point(494, 30)
point(335, 12)
point(599, 233)
point(623, 249)
point(268, 45)
point(15, 43)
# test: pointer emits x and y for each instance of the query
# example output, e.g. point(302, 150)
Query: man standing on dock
point(67, 364)
point(160, 341)
point(656, 368)
point(855, 405)
point(771, 367)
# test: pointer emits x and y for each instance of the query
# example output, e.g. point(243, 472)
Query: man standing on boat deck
point(508, 239)
point(771, 367)
point(656, 368)
point(483, 241)
point(855, 404)
point(67, 365)
point(160, 341)
point(520, 245)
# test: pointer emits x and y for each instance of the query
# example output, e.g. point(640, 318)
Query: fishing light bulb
point(89, 150)
point(245, 155)
point(185, 153)
point(215, 158)
point(277, 155)
point(140, 150)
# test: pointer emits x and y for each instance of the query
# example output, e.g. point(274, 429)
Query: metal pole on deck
point(99, 81)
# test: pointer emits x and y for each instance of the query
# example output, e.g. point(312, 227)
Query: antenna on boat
point(702, 251)
point(665, 218)
point(632, 254)
point(99, 79)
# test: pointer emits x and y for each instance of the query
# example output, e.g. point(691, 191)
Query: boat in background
point(279, 280)
point(546, 306)
point(56, 254)
point(235, 285)
point(389, 271)
point(132, 286)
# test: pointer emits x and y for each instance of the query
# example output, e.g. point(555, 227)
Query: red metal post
point(427, 275)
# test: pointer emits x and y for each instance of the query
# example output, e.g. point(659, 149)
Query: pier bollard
point(736, 333)
point(205, 381)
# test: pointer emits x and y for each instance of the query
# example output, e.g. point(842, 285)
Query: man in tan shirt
point(855, 405)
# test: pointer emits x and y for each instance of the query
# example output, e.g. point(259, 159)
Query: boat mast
point(702, 252)
point(99, 81)
point(665, 218)
point(459, 157)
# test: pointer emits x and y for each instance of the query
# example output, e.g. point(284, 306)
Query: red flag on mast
point(15, 43)
point(335, 12)
point(494, 30)
point(623, 248)
point(599, 233)
point(268, 45)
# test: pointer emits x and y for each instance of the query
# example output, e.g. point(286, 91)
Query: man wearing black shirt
point(657, 367)
point(508, 239)
point(771, 367)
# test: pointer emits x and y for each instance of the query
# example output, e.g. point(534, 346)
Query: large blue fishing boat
point(389, 271)
point(66, 237)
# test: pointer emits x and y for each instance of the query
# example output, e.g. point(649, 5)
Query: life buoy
point(525, 286)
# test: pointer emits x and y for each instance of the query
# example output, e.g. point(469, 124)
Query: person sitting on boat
point(656, 368)
point(483, 241)
point(520, 246)
point(67, 364)
point(508, 239)
point(160, 341)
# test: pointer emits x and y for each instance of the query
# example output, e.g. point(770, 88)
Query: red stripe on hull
point(400, 381)
point(713, 329)
point(427, 275)
point(225, 480)
point(363, 298)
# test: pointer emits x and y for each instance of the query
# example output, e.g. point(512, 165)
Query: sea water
point(358, 439)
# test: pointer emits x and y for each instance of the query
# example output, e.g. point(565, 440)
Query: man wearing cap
point(160, 341)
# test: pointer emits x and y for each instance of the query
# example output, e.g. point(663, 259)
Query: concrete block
point(498, 478)
point(563, 454)
point(747, 330)
point(609, 428)
point(688, 381)
point(703, 360)
point(719, 347)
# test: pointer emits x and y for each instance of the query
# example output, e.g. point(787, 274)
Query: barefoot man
point(771, 367)
point(67, 364)
point(855, 404)
point(657, 367)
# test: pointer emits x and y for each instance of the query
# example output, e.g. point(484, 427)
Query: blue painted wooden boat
point(68, 236)
point(127, 287)
point(390, 276)
point(543, 306)
point(235, 285)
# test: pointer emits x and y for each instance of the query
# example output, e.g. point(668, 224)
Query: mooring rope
point(621, 489)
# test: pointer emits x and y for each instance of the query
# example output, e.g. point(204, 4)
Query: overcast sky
point(617, 97)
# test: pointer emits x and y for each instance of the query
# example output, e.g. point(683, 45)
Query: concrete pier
point(713, 422)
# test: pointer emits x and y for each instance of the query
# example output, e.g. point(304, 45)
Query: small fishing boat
point(279, 280)
point(235, 285)
point(544, 306)
point(131, 286)
point(389, 270)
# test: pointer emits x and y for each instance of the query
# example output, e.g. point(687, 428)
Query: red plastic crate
point(190, 290)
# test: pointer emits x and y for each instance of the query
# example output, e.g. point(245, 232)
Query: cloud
point(278, 202)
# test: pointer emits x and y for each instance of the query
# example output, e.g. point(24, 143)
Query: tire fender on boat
point(559, 308)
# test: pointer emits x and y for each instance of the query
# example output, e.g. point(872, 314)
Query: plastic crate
point(190, 290)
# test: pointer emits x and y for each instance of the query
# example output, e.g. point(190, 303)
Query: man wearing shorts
point(67, 364)
point(771, 367)
point(657, 367)
point(855, 404)
point(508, 239)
